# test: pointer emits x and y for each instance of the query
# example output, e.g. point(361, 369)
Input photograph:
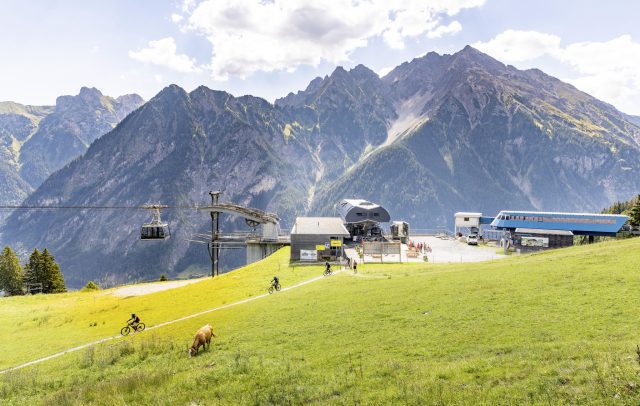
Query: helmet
point(133, 315)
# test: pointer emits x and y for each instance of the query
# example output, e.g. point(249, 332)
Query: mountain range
point(435, 135)
point(36, 141)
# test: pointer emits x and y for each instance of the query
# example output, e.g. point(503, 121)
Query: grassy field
point(552, 328)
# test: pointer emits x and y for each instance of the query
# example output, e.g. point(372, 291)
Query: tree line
point(630, 208)
point(40, 270)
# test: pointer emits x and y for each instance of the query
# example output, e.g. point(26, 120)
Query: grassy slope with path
point(556, 327)
point(71, 319)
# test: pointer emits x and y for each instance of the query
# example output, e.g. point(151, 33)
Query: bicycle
point(274, 288)
point(327, 272)
point(127, 329)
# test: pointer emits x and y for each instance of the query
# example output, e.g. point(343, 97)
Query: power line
point(73, 207)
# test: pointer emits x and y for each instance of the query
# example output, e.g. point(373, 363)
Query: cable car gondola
point(156, 229)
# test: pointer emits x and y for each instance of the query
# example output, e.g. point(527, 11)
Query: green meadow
point(559, 327)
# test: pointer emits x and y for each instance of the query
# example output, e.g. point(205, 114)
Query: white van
point(472, 239)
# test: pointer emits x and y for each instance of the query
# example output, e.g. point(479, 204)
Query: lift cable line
point(73, 207)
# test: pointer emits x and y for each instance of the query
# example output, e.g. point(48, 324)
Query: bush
point(163, 278)
point(90, 286)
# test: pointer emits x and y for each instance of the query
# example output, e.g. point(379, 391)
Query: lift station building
point(317, 239)
point(534, 230)
point(362, 218)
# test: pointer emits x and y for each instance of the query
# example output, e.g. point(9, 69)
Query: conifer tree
point(634, 213)
point(53, 280)
point(33, 269)
point(11, 273)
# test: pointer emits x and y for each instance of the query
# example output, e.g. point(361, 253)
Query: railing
point(430, 231)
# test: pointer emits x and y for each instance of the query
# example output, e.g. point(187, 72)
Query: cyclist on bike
point(133, 321)
point(275, 282)
point(327, 266)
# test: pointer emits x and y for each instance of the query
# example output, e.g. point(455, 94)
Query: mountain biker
point(275, 282)
point(134, 320)
point(327, 266)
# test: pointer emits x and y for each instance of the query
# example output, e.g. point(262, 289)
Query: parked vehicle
point(472, 239)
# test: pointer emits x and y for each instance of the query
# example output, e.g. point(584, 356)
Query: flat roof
point(467, 214)
point(320, 225)
point(560, 213)
point(543, 231)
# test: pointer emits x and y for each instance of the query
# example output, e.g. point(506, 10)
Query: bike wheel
point(270, 289)
point(140, 327)
point(125, 330)
point(278, 287)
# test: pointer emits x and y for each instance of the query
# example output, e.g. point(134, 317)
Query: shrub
point(90, 286)
point(163, 278)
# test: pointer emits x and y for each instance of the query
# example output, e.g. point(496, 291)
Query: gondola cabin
point(156, 229)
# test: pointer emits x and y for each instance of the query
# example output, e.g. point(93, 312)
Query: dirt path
point(145, 289)
point(166, 323)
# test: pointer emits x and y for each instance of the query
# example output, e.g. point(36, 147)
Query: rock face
point(36, 141)
point(474, 134)
point(436, 135)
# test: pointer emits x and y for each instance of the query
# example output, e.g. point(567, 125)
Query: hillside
point(436, 135)
point(557, 327)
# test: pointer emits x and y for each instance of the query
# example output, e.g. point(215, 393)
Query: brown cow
point(201, 339)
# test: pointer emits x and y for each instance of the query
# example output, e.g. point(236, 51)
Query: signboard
point(326, 245)
point(308, 255)
point(336, 243)
point(320, 247)
point(534, 242)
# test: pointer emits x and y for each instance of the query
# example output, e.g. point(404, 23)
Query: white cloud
point(251, 35)
point(452, 28)
point(176, 18)
point(517, 46)
point(383, 71)
point(607, 70)
point(163, 53)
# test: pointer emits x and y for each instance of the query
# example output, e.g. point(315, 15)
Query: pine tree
point(634, 213)
point(11, 273)
point(33, 269)
point(53, 280)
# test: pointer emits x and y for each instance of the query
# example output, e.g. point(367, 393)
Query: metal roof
point(544, 213)
point(578, 223)
point(320, 225)
point(539, 231)
point(362, 211)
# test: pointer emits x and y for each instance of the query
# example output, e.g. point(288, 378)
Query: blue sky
point(270, 48)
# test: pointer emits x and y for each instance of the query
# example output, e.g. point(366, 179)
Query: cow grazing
point(201, 339)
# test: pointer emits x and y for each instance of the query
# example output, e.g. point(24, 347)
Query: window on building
point(466, 219)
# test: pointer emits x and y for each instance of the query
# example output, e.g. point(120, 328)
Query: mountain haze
point(438, 134)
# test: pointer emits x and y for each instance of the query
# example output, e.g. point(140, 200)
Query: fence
point(379, 249)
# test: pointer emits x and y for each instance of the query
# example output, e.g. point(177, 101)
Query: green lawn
point(553, 328)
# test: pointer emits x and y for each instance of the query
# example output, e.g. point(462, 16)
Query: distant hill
point(436, 135)
point(36, 141)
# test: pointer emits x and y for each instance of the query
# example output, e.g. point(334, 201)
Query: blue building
point(577, 223)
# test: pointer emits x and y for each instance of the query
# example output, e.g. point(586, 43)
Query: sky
point(269, 48)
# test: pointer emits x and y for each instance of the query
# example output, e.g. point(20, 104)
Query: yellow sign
point(320, 247)
point(336, 243)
